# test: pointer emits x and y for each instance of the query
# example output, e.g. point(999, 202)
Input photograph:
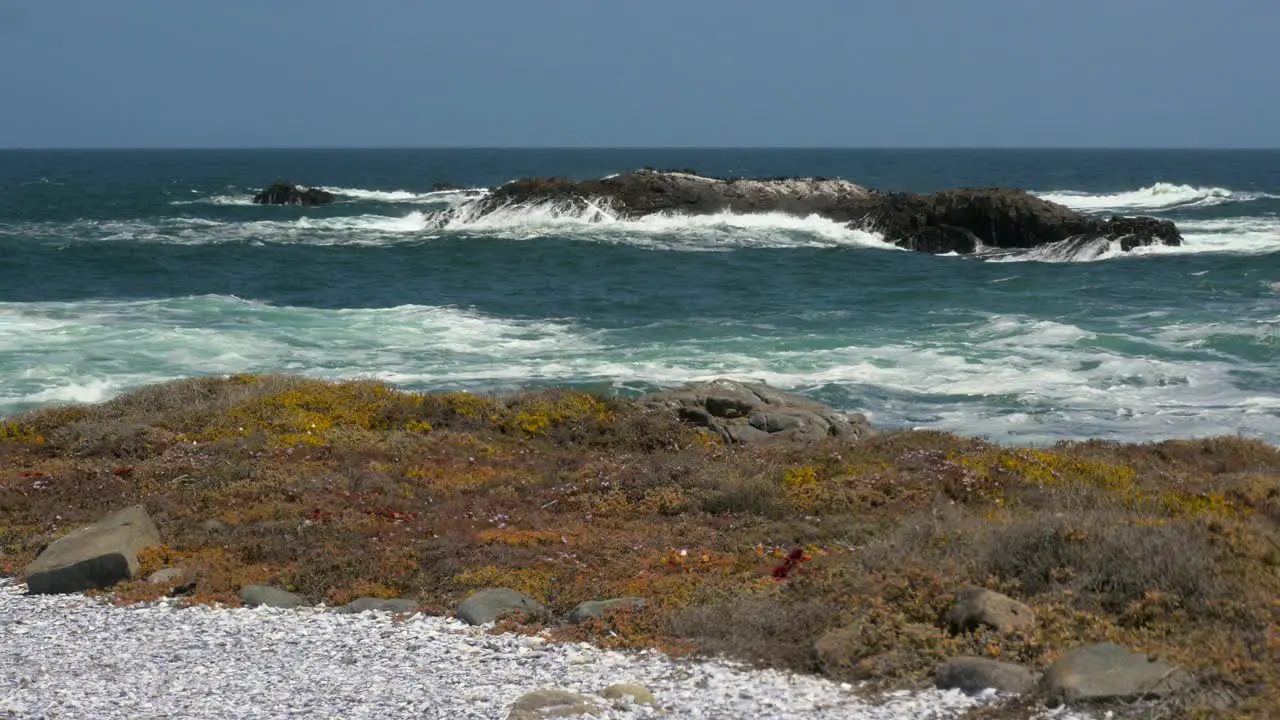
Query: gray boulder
point(95, 556)
point(1108, 672)
point(552, 704)
point(973, 675)
point(625, 693)
point(267, 596)
point(167, 575)
point(489, 605)
point(750, 412)
point(391, 605)
point(977, 607)
point(595, 608)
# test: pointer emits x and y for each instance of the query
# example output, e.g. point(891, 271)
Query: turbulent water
point(120, 269)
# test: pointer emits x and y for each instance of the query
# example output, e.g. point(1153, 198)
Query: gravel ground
point(73, 657)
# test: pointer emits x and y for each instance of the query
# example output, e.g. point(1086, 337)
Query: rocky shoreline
point(721, 518)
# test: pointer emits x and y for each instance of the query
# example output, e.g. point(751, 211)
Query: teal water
point(119, 269)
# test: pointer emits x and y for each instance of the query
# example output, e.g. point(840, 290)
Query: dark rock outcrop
point(95, 556)
point(284, 193)
point(962, 221)
point(749, 412)
point(645, 192)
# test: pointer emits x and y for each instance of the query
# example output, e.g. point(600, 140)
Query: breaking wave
point(597, 222)
point(394, 197)
point(448, 197)
point(992, 374)
point(1160, 196)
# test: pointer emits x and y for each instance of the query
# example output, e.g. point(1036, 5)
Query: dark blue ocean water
point(119, 269)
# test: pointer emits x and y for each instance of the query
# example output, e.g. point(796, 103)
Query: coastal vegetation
point(840, 556)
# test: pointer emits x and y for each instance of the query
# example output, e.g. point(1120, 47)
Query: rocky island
point(960, 221)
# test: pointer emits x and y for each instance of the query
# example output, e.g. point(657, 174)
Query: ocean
point(125, 268)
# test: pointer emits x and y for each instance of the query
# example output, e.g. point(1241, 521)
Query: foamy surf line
point(1010, 377)
point(450, 196)
point(1159, 196)
point(595, 224)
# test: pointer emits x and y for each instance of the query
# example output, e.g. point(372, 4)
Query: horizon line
point(597, 148)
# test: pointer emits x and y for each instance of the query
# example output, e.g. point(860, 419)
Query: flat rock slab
point(1108, 672)
point(595, 608)
point(267, 596)
point(491, 604)
point(95, 556)
point(750, 412)
point(373, 604)
point(974, 675)
point(552, 704)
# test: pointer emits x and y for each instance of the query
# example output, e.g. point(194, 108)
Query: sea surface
point(124, 268)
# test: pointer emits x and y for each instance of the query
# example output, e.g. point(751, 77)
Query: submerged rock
point(284, 193)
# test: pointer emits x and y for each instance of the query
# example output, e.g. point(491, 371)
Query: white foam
point(1010, 376)
point(1240, 235)
point(597, 222)
point(1160, 196)
point(91, 350)
point(450, 197)
point(217, 200)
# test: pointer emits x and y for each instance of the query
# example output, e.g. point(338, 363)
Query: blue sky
point(840, 73)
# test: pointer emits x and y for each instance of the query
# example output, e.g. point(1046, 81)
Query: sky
point(625, 73)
